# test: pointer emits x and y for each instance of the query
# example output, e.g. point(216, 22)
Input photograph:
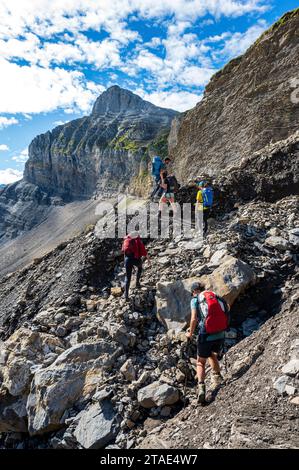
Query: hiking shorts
point(206, 348)
point(167, 197)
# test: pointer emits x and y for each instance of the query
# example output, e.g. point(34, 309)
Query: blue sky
point(56, 57)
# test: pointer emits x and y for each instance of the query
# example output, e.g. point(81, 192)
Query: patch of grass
point(283, 20)
point(160, 144)
point(123, 142)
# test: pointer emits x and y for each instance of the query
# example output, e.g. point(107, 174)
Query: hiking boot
point(201, 396)
point(216, 380)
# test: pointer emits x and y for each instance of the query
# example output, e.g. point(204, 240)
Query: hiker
point(168, 166)
point(157, 167)
point(204, 202)
point(169, 187)
point(211, 313)
point(134, 250)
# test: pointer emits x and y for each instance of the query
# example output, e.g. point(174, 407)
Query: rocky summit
point(82, 368)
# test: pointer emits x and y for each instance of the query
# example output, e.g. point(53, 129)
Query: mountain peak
point(117, 100)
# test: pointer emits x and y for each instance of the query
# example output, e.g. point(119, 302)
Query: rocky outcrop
point(246, 105)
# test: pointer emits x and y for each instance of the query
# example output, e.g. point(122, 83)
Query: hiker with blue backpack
point(204, 202)
point(210, 313)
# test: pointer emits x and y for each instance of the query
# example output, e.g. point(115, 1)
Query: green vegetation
point(160, 144)
point(123, 142)
point(283, 20)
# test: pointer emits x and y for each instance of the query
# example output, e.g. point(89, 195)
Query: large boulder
point(97, 426)
point(229, 280)
point(157, 394)
point(72, 377)
point(173, 302)
point(19, 353)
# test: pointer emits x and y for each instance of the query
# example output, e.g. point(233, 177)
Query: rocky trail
point(81, 368)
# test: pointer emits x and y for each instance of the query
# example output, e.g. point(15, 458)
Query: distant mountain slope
point(246, 105)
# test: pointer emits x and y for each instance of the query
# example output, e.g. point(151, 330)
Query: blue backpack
point(157, 165)
point(207, 197)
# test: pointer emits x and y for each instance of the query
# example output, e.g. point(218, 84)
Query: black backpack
point(173, 184)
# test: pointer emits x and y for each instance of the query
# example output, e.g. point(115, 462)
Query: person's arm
point(144, 252)
point(193, 323)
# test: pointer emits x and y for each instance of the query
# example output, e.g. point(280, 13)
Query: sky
point(57, 56)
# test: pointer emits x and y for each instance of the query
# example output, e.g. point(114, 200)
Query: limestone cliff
point(246, 105)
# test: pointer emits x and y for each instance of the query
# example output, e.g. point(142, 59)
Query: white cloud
point(9, 175)
point(22, 157)
point(50, 35)
point(196, 76)
point(25, 89)
point(3, 147)
point(47, 18)
point(59, 123)
point(4, 121)
point(238, 43)
point(180, 100)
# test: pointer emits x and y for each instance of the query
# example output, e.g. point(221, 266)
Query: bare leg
point(214, 363)
point(201, 366)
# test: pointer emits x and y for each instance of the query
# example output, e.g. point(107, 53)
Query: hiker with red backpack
point(211, 313)
point(134, 250)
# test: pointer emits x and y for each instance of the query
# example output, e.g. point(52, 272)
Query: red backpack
point(128, 247)
point(215, 318)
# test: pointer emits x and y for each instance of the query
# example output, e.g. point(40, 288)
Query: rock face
point(102, 152)
point(239, 113)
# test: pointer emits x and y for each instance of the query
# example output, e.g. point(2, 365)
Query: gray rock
point(294, 349)
point(157, 394)
point(97, 426)
point(290, 390)
point(123, 336)
point(72, 377)
point(278, 243)
point(229, 280)
point(128, 370)
point(218, 257)
point(280, 384)
point(13, 415)
point(250, 325)
point(291, 368)
point(173, 302)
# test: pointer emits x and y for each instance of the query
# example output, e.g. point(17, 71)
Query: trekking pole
point(186, 375)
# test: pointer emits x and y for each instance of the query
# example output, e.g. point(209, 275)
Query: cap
point(134, 234)
point(195, 286)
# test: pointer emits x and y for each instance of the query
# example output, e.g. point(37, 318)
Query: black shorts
point(206, 348)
